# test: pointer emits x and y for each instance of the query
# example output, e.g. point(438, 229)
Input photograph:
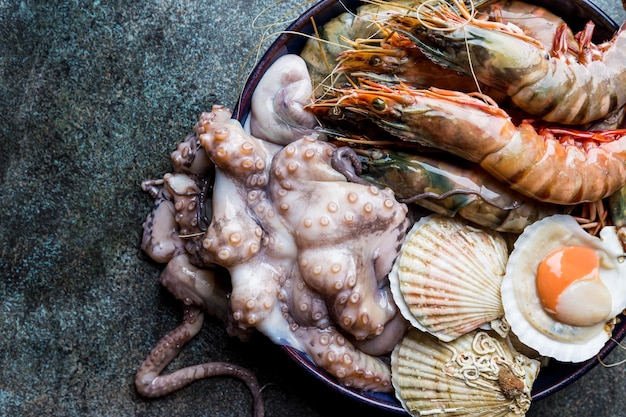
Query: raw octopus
point(307, 251)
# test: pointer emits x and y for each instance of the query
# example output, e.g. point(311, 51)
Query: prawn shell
point(477, 374)
point(446, 279)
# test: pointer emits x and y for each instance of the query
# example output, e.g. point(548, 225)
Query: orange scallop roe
point(562, 267)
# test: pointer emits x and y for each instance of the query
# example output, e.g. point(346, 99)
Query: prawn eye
point(375, 61)
point(379, 104)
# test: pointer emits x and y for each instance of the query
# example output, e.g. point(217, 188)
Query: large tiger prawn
point(552, 86)
point(561, 166)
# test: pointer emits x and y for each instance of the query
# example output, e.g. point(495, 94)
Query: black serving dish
point(577, 13)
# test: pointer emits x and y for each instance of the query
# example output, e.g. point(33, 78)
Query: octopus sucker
point(329, 350)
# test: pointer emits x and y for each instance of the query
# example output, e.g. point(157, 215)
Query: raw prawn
point(534, 163)
point(391, 59)
point(320, 52)
point(394, 60)
point(553, 88)
point(335, 36)
point(445, 187)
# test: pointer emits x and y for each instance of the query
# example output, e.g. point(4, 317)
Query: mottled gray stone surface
point(93, 98)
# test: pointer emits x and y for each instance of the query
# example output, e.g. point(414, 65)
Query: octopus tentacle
point(190, 158)
point(346, 239)
point(277, 109)
point(195, 286)
point(150, 383)
point(331, 351)
point(385, 342)
point(160, 230)
point(185, 193)
point(303, 303)
point(232, 150)
point(346, 161)
point(355, 301)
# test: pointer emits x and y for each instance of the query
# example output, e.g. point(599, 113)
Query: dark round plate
point(576, 12)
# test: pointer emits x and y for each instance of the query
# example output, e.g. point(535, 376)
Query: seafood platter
point(423, 202)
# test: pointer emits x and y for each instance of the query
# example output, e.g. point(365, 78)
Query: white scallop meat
point(530, 321)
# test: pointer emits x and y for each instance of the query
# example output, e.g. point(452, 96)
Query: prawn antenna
point(618, 363)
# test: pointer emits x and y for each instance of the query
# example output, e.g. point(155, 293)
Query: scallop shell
point(446, 280)
point(533, 326)
point(477, 374)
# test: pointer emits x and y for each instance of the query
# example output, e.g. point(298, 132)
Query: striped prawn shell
point(446, 279)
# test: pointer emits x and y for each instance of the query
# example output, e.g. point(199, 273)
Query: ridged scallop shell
point(446, 279)
point(477, 374)
point(529, 321)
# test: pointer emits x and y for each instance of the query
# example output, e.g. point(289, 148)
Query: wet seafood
point(563, 288)
point(394, 59)
point(478, 374)
point(311, 279)
point(545, 164)
point(277, 107)
point(449, 187)
point(341, 33)
point(446, 279)
point(170, 233)
point(555, 89)
point(386, 61)
point(335, 36)
point(315, 279)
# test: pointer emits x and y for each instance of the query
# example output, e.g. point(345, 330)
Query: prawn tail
point(559, 169)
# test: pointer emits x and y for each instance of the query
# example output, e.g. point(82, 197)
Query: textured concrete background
point(94, 96)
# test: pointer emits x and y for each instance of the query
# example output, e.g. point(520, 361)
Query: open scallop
point(446, 279)
point(563, 288)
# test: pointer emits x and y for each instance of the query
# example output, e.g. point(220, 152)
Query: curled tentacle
point(278, 102)
point(150, 383)
point(160, 231)
point(347, 162)
point(196, 286)
point(189, 158)
point(332, 351)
